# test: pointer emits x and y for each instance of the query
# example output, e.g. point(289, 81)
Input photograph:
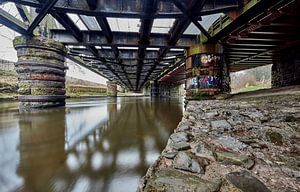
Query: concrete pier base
point(41, 72)
point(111, 88)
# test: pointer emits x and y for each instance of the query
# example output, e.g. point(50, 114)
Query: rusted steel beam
point(242, 21)
point(221, 9)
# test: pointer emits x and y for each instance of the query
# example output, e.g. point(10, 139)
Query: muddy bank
point(238, 144)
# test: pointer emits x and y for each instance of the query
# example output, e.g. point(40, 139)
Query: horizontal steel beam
point(124, 54)
point(121, 39)
point(127, 9)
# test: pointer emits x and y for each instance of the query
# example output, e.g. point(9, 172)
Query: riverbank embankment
point(245, 144)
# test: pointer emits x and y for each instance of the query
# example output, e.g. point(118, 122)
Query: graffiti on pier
point(203, 82)
point(205, 71)
point(208, 82)
point(205, 60)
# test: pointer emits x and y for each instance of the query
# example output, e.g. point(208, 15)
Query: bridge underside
point(159, 32)
point(152, 44)
point(266, 33)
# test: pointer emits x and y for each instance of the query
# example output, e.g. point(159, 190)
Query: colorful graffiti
point(205, 71)
point(205, 60)
point(203, 74)
point(208, 82)
point(203, 82)
point(209, 60)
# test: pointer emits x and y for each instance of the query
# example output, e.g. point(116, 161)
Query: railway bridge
point(151, 43)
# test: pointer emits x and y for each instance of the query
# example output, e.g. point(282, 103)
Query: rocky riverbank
point(250, 145)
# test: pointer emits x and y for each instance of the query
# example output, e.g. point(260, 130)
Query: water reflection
point(41, 148)
point(91, 145)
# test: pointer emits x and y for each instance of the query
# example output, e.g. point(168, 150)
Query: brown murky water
point(90, 145)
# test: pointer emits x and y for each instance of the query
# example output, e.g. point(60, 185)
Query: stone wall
point(225, 77)
point(168, 90)
point(286, 70)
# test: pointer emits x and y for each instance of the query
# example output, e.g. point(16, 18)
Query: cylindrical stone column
point(111, 88)
point(154, 92)
point(41, 72)
point(203, 71)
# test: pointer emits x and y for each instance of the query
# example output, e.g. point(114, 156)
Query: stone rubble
point(250, 145)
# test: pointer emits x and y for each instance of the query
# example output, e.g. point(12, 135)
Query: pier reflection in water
point(90, 145)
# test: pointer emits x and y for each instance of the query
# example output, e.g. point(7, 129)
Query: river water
point(89, 145)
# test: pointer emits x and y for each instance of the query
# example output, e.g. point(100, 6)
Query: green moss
point(274, 137)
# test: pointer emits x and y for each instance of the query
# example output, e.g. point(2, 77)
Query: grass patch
point(8, 95)
point(8, 73)
point(80, 94)
point(252, 88)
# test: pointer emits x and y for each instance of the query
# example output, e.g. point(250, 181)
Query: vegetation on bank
point(79, 91)
point(251, 79)
point(9, 87)
point(253, 88)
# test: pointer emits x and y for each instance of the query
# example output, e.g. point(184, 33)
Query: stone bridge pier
point(207, 73)
point(286, 68)
point(112, 88)
point(166, 90)
point(41, 72)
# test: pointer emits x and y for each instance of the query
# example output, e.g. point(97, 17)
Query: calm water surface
point(90, 145)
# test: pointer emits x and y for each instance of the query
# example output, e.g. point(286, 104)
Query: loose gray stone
point(184, 162)
point(183, 128)
point(200, 150)
point(180, 146)
point(170, 180)
point(179, 137)
point(235, 159)
point(231, 143)
point(220, 124)
point(192, 117)
point(169, 155)
point(246, 182)
point(211, 114)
